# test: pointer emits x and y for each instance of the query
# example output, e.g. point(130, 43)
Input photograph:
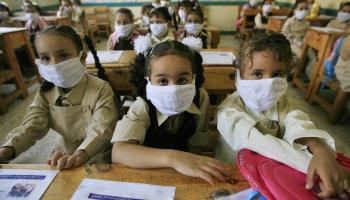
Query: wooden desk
point(321, 42)
point(10, 40)
point(51, 20)
point(276, 23)
point(215, 36)
point(187, 188)
point(320, 21)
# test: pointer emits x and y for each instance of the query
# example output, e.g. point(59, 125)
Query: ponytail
point(100, 70)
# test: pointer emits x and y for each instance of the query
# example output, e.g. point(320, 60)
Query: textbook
point(217, 58)
point(104, 56)
point(24, 184)
point(112, 190)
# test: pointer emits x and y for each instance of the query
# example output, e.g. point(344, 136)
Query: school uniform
point(342, 72)
point(271, 133)
point(295, 30)
point(169, 36)
point(145, 125)
point(335, 23)
point(261, 21)
point(117, 43)
point(65, 12)
point(84, 117)
point(204, 35)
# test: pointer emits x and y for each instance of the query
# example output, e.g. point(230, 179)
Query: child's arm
point(334, 179)
point(33, 127)
point(138, 156)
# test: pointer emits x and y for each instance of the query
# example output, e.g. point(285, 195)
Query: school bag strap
point(275, 180)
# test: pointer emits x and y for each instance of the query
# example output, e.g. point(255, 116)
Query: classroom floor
point(39, 152)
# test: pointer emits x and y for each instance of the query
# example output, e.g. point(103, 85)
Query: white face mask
point(266, 8)
point(165, 3)
point(182, 15)
point(261, 95)
point(253, 3)
point(159, 30)
point(32, 16)
point(145, 19)
point(193, 28)
point(123, 30)
point(343, 16)
point(66, 74)
point(171, 100)
point(3, 15)
point(300, 14)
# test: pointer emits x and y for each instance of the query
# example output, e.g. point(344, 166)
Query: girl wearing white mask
point(160, 20)
point(183, 8)
point(124, 34)
point(259, 117)
point(194, 27)
point(170, 117)
point(262, 17)
point(343, 18)
point(142, 23)
point(35, 23)
point(76, 105)
point(65, 9)
point(296, 26)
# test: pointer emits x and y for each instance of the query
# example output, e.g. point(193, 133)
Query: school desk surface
point(67, 181)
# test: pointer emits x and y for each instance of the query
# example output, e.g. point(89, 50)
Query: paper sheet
point(217, 58)
point(10, 29)
point(24, 184)
point(328, 29)
point(111, 190)
point(104, 56)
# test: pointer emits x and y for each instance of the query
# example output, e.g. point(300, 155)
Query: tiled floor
point(38, 154)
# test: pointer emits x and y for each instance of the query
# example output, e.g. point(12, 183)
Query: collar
point(169, 36)
point(75, 96)
point(161, 118)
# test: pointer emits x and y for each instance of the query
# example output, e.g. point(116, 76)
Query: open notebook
point(104, 56)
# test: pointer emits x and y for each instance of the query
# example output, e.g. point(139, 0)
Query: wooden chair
point(248, 23)
point(103, 20)
point(321, 42)
point(90, 23)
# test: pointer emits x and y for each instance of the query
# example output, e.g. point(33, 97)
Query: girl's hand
point(6, 153)
point(68, 161)
point(204, 167)
point(334, 179)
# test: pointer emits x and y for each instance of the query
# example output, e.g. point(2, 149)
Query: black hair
point(141, 66)
point(297, 2)
point(185, 3)
point(343, 4)
point(146, 7)
point(4, 6)
point(127, 12)
point(276, 43)
point(196, 12)
point(161, 12)
point(69, 33)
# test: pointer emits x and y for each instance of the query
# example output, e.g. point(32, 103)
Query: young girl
point(343, 18)
point(194, 27)
point(262, 18)
point(159, 25)
point(76, 105)
point(66, 9)
point(183, 8)
point(78, 12)
point(259, 117)
point(35, 23)
point(143, 23)
point(169, 117)
point(5, 20)
point(124, 35)
point(296, 26)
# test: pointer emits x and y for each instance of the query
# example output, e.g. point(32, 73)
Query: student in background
point(156, 3)
point(170, 117)
point(124, 34)
point(343, 18)
point(314, 9)
point(159, 25)
point(183, 8)
point(259, 117)
point(262, 17)
point(78, 12)
point(65, 9)
point(35, 23)
point(252, 4)
point(144, 21)
point(5, 13)
point(194, 27)
point(76, 105)
point(296, 26)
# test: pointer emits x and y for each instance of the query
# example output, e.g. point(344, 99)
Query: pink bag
point(275, 180)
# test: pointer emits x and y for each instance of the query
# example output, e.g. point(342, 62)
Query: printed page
point(111, 190)
point(217, 58)
point(105, 57)
point(24, 184)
